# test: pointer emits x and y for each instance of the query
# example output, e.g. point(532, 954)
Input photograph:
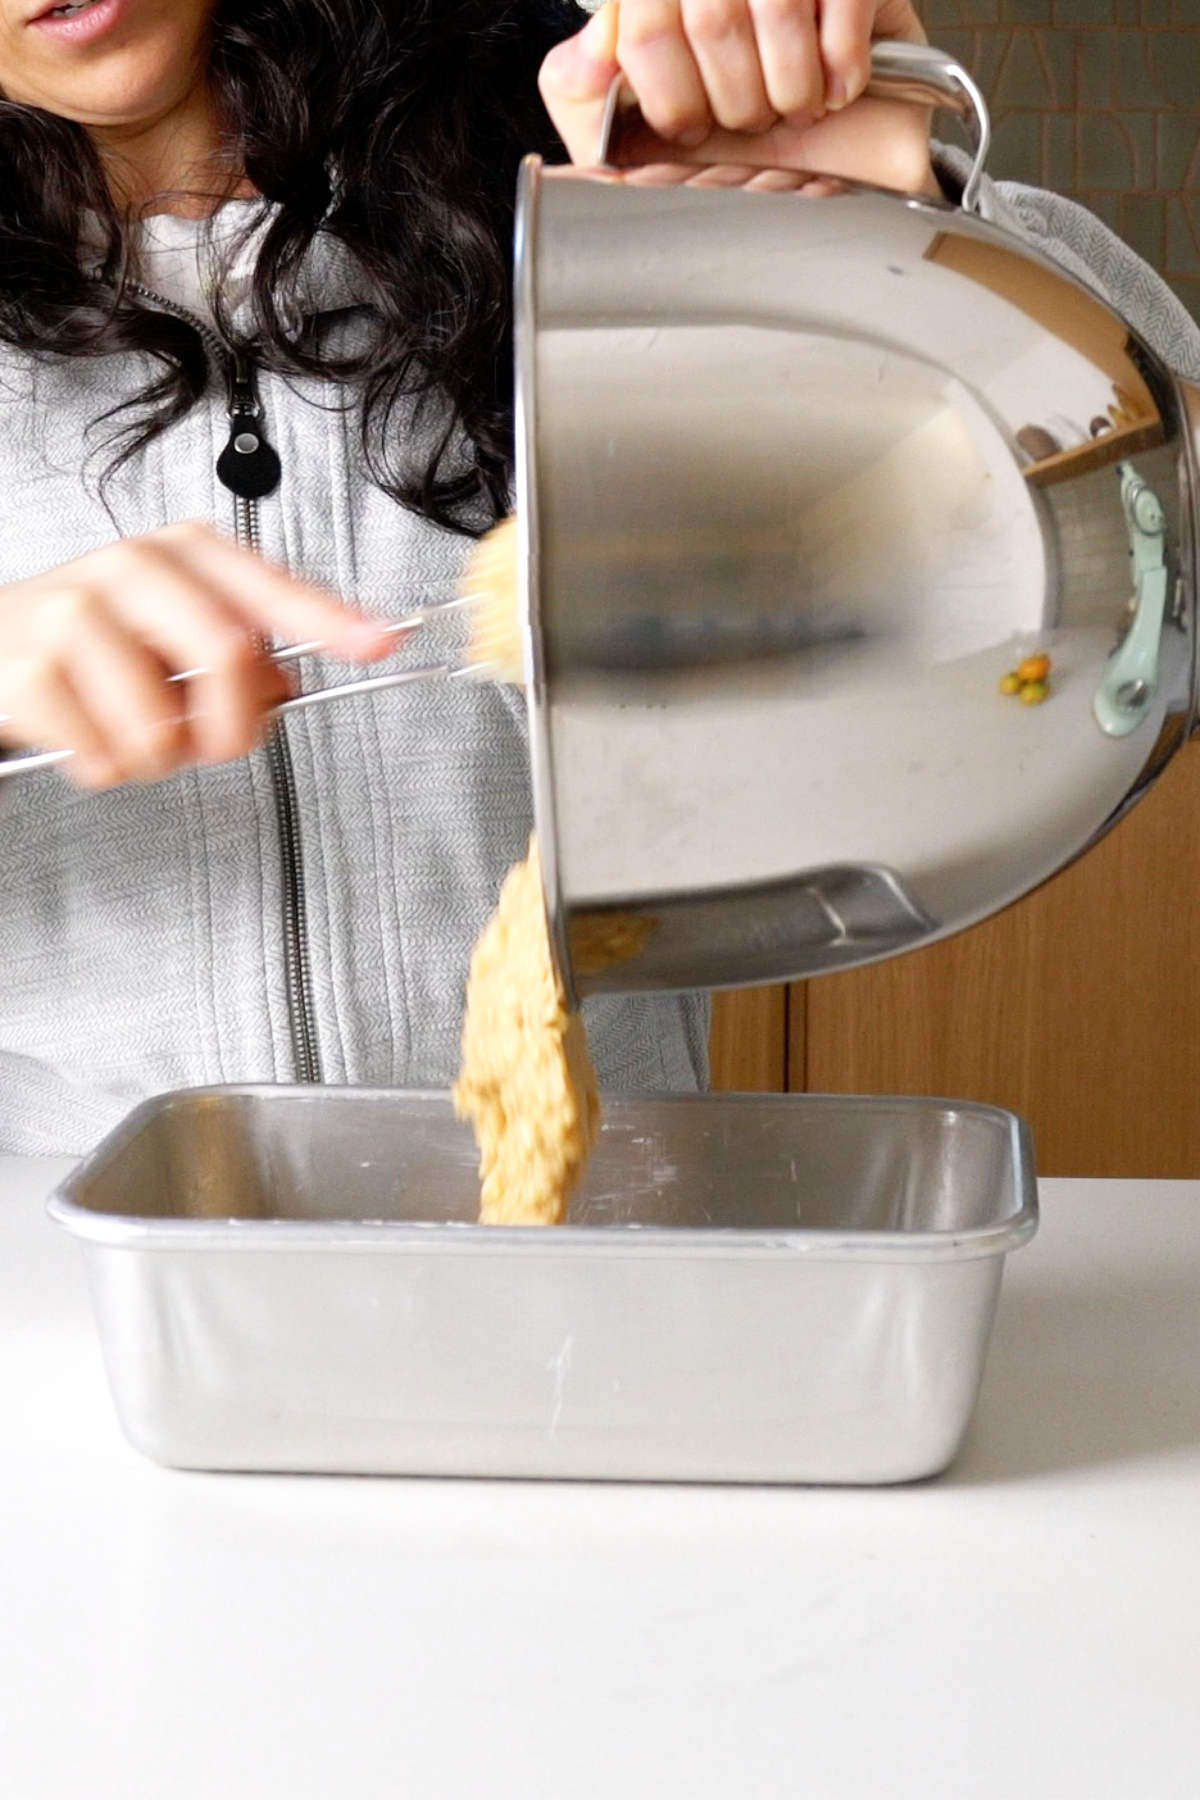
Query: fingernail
point(836, 94)
point(692, 140)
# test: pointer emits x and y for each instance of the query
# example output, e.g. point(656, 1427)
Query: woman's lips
point(82, 27)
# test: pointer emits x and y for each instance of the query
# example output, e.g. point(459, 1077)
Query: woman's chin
point(104, 104)
point(119, 87)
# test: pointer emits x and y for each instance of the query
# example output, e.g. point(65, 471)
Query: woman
point(286, 222)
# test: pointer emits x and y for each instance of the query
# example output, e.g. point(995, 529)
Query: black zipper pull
point(247, 465)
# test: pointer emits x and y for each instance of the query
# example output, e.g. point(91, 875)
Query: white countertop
point(1024, 1628)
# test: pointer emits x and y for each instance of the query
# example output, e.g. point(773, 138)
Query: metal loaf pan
point(751, 1287)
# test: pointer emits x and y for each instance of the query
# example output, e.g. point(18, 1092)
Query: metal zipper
point(239, 371)
point(297, 962)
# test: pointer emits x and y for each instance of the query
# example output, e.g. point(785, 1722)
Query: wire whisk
point(493, 650)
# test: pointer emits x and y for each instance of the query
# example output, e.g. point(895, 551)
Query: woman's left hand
point(770, 83)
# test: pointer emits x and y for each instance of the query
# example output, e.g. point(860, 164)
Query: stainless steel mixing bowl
point(804, 470)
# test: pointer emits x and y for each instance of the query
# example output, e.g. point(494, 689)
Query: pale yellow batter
point(526, 1081)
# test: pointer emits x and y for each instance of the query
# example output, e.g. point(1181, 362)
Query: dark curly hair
point(394, 126)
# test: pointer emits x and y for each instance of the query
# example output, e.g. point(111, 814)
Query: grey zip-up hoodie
point(161, 936)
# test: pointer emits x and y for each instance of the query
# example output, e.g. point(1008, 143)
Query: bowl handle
point(899, 71)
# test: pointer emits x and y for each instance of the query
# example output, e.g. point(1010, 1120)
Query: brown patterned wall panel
point(1099, 99)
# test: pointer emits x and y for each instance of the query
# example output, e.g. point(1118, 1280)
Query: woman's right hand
point(87, 652)
point(772, 84)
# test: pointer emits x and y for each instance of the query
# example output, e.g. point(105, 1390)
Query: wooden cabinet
point(751, 1039)
point(1078, 1007)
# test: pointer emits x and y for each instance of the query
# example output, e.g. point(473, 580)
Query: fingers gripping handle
point(914, 72)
